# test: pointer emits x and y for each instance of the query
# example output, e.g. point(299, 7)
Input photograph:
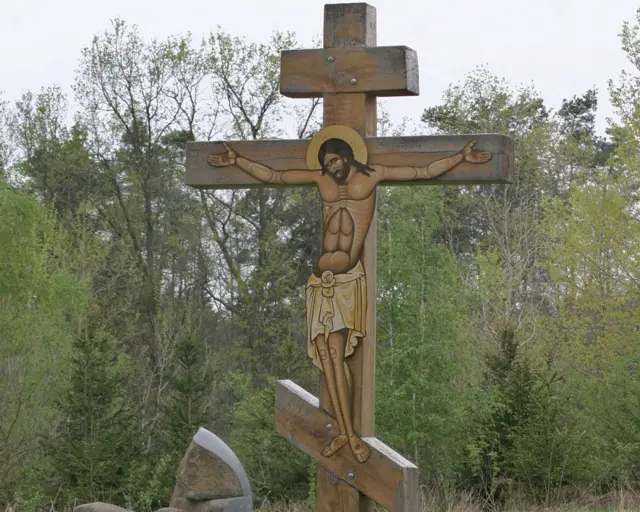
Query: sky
point(562, 47)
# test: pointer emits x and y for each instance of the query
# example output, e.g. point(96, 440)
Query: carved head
point(336, 158)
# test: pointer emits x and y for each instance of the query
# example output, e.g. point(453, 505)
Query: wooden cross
point(346, 161)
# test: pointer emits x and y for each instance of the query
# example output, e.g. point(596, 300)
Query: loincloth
point(335, 302)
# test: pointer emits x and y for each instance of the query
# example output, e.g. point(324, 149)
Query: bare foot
point(338, 442)
point(359, 448)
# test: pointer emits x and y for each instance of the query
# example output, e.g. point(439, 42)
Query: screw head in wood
point(329, 426)
point(351, 475)
point(330, 58)
point(354, 81)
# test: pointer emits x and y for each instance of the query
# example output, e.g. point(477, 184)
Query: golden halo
point(336, 131)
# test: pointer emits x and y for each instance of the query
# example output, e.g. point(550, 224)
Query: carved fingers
point(468, 147)
point(478, 157)
point(223, 160)
point(475, 157)
point(232, 153)
point(218, 160)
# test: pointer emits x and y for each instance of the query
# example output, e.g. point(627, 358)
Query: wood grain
point(387, 477)
point(337, 495)
point(390, 151)
point(343, 484)
point(345, 26)
point(378, 71)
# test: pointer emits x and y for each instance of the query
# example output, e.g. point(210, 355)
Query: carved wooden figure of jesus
point(336, 291)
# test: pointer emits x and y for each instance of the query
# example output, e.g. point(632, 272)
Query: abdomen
point(344, 234)
point(337, 242)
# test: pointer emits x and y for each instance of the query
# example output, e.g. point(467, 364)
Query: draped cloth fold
point(335, 302)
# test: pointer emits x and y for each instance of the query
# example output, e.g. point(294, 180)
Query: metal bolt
point(351, 475)
point(329, 426)
point(333, 478)
point(354, 81)
point(330, 58)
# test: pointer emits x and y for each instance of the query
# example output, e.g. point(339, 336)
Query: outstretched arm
point(262, 172)
point(434, 169)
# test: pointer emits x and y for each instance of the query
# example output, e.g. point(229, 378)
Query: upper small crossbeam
point(378, 70)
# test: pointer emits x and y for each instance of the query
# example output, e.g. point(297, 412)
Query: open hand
point(224, 159)
point(475, 157)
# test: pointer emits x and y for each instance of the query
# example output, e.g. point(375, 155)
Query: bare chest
point(356, 189)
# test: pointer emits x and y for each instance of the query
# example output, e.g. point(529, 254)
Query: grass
point(620, 501)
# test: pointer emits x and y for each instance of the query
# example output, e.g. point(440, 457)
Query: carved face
point(336, 166)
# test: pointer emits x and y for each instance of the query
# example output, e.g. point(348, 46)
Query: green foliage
point(98, 439)
point(39, 300)
point(186, 406)
point(56, 160)
point(507, 315)
point(186, 403)
point(150, 483)
point(528, 436)
point(424, 360)
point(275, 470)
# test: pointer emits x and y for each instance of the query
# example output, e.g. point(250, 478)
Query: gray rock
point(98, 506)
point(168, 509)
point(210, 475)
point(241, 504)
point(201, 496)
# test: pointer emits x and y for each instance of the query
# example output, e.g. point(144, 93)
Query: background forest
point(134, 310)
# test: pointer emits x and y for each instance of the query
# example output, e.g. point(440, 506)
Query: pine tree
point(186, 406)
point(97, 444)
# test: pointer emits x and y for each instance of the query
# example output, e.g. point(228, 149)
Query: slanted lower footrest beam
point(387, 477)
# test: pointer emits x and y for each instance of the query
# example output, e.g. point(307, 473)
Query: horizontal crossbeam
point(380, 71)
point(389, 151)
point(387, 477)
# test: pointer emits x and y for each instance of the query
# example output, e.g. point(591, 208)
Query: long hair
point(340, 147)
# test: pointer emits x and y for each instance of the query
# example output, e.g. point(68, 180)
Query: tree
point(98, 440)
point(187, 401)
point(503, 233)
point(40, 299)
point(424, 359)
point(5, 142)
point(139, 104)
point(54, 160)
point(260, 235)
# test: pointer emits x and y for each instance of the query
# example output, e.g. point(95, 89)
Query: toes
point(360, 449)
point(337, 443)
point(362, 454)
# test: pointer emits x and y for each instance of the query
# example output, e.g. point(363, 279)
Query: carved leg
point(337, 341)
point(341, 439)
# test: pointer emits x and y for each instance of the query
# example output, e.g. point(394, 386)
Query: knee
point(323, 354)
point(334, 352)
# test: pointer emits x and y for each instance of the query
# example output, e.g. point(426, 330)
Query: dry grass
point(621, 501)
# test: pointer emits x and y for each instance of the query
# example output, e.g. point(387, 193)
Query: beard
point(340, 176)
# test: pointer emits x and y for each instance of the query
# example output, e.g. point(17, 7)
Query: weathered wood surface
point(347, 25)
point(343, 484)
point(337, 495)
point(387, 477)
point(379, 71)
point(354, 25)
point(389, 151)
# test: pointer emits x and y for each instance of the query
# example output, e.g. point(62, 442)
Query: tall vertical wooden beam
point(348, 25)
